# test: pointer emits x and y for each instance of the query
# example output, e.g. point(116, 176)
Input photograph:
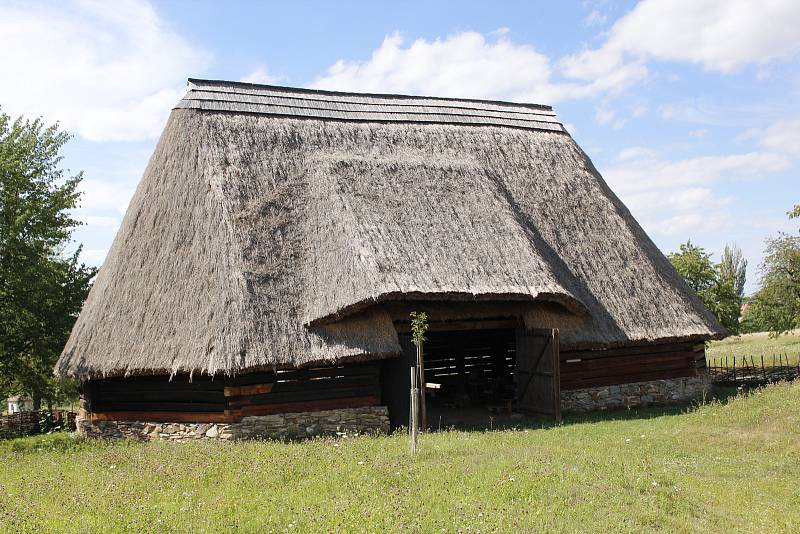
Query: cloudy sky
point(689, 108)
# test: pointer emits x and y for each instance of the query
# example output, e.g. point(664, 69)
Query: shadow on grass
point(721, 395)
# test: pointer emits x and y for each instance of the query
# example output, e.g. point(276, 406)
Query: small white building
point(20, 403)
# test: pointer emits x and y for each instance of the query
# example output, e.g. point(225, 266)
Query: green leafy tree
point(419, 325)
point(776, 305)
point(720, 286)
point(695, 266)
point(728, 289)
point(41, 288)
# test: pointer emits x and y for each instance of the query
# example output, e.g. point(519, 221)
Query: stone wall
point(350, 421)
point(671, 391)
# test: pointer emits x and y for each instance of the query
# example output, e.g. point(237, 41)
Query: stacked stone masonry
point(656, 392)
point(351, 421)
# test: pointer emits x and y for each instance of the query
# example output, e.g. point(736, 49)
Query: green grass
point(732, 466)
point(755, 346)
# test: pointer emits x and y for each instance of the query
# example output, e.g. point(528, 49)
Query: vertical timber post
point(419, 325)
point(413, 422)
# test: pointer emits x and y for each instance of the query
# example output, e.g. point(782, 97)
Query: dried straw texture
point(205, 272)
point(256, 241)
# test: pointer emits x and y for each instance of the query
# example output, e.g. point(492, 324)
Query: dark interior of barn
point(470, 377)
point(470, 369)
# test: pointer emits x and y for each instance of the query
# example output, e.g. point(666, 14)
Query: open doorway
point(470, 375)
point(477, 378)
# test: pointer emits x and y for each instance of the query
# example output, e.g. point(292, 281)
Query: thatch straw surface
point(260, 240)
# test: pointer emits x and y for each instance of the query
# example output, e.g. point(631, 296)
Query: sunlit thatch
point(270, 224)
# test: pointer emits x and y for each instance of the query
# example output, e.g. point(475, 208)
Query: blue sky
point(689, 108)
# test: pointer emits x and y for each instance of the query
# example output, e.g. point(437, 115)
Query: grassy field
point(732, 466)
point(756, 345)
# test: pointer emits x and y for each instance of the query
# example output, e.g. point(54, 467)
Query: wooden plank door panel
point(537, 373)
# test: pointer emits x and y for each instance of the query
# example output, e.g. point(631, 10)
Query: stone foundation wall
point(671, 391)
point(350, 421)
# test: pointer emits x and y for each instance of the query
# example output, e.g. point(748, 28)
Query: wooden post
point(419, 325)
point(413, 422)
point(422, 390)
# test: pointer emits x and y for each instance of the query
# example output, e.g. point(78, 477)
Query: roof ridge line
point(288, 89)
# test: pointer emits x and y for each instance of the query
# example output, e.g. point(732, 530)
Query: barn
point(262, 279)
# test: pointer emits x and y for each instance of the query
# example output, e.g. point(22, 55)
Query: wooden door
point(537, 373)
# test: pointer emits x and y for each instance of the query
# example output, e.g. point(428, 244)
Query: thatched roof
point(271, 223)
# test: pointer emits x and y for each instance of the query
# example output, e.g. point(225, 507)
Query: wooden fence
point(26, 423)
point(752, 370)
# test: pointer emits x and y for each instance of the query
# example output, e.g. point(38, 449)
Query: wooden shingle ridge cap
point(199, 83)
point(222, 96)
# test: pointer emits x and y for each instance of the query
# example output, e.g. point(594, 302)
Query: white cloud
point(636, 152)
point(721, 36)
point(104, 196)
point(106, 71)
point(604, 115)
point(687, 224)
point(654, 173)
point(474, 65)
point(698, 134)
point(461, 65)
point(687, 196)
point(263, 76)
point(595, 18)
point(639, 111)
point(783, 136)
point(675, 200)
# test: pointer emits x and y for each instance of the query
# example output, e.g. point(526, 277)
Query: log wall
point(226, 400)
point(592, 368)
point(219, 400)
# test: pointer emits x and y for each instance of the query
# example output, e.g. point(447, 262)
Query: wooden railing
point(26, 423)
point(753, 370)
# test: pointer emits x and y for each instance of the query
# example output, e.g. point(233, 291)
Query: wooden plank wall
point(203, 399)
point(592, 368)
point(229, 399)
